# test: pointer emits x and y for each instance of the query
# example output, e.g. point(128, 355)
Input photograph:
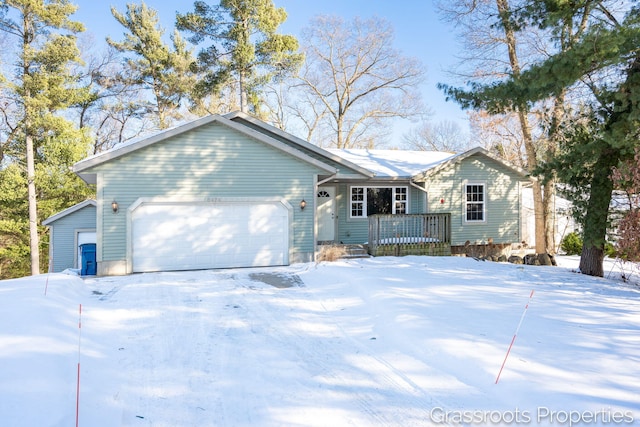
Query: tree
point(245, 46)
point(358, 78)
point(40, 86)
point(497, 49)
point(627, 178)
point(605, 58)
point(445, 135)
point(115, 109)
point(165, 72)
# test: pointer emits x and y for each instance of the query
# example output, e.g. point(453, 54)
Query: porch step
point(355, 251)
point(331, 252)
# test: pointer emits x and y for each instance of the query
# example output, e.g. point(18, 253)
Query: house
point(232, 191)
point(71, 231)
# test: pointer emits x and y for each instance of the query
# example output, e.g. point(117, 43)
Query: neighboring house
point(232, 191)
point(563, 221)
point(69, 231)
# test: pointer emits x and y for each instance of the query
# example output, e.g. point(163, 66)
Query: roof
point(394, 163)
point(405, 164)
point(69, 211)
point(300, 143)
point(379, 164)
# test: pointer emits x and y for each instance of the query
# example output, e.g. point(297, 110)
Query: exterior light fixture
point(114, 206)
point(303, 204)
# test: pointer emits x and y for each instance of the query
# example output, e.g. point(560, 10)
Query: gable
point(83, 210)
point(189, 143)
point(479, 159)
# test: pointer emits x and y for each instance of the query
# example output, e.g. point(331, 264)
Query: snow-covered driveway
point(218, 348)
point(413, 341)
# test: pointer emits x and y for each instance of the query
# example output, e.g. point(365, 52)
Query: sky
point(419, 33)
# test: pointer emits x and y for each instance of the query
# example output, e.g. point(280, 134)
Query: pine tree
point(605, 59)
point(164, 71)
point(41, 86)
point(245, 46)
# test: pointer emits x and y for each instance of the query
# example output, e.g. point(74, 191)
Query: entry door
point(326, 203)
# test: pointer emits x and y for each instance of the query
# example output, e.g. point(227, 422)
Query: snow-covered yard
point(411, 341)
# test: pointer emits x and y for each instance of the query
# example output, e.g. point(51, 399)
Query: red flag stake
point(78, 377)
point(514, 336)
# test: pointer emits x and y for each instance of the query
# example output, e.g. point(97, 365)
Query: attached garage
point(219, 233)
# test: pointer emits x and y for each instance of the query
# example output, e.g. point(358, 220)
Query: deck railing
point(412, 234)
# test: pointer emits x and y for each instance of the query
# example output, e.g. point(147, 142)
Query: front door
point(326, 205)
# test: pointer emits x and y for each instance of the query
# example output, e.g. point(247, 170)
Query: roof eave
point(69, 211)
point(477, 150)
point(318, 150)
point(83, 165)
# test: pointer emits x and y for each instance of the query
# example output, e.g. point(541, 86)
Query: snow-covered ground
point(410, 341)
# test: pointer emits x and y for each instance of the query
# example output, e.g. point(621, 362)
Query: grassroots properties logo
point(540, 416)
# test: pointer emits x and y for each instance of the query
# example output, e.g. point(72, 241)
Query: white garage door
point(187, 236)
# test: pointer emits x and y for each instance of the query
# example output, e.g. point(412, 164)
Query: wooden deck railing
point(412, 234)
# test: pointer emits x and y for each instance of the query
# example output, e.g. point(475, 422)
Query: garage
point(168, 236)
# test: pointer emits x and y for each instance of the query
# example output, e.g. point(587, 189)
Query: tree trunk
point(595, 222)
point(550, 185)
point(532, 161)
point(244, 107)
point(550, 216)
point(34, 240)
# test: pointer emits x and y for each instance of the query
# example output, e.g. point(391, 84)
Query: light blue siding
point(356, 230)
point(63, 233)
point(502, 186)
point(502, 209)
point(211, 161)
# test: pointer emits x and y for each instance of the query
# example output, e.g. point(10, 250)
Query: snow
point(394, 163)
point(411, 341)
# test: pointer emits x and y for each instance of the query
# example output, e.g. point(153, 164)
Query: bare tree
point(355, 81)
point(445, 135)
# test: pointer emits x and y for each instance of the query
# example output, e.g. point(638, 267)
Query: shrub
point(572, 244)
point(331, 253)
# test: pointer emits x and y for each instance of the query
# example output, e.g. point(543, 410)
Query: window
point(378, 200)
point(474, 202)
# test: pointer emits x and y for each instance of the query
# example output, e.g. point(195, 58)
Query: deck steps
point(334, 251)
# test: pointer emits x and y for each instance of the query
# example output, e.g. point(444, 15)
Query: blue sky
point(418, 32)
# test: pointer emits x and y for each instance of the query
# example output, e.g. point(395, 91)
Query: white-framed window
point(378, 200)
point(475, 202)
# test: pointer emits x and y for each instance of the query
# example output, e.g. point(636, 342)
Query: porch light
point(303, 204)
point(114, 206)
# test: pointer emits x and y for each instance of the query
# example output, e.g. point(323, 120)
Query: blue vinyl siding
point(63, 234)
point(211, 161)
point(502, 204)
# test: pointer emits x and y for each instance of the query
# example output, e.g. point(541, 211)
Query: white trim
point(200, 201)
point(77, 231)
point(465, 184)
point(305, 144)
point(474, 151)
point(69, 211)
point(364, 201)
point(127, 148)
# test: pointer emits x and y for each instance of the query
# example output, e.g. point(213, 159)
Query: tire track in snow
point(411, 404)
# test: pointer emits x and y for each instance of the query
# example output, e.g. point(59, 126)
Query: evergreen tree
point(606, 60)
point(245, 46)
point(40, 144)
point(164, 71)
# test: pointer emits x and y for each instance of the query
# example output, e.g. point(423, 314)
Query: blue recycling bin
point(88, 259)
